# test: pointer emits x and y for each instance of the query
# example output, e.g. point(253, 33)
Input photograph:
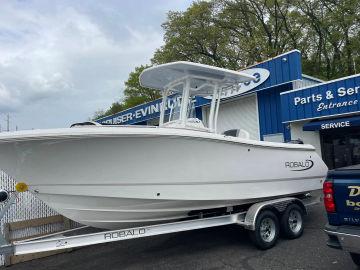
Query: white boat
point(125, 176)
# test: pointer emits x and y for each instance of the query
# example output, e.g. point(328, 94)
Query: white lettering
point(341, 91)
point(308, 99)
point(137, 114)
point(335, 125)
point(154, 108)
point(322, 106)
point(296, 100)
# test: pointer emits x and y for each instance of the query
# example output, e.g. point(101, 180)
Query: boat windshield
point(179, 111)
point(189, 80)
point(173, 110)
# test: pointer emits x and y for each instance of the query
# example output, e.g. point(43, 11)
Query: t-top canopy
point(203, 77)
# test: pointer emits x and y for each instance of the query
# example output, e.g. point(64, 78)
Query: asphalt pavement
point(227, 247)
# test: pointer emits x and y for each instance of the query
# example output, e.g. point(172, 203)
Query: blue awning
point(352, 121)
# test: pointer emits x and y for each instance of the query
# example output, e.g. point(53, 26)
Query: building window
point(341, 147)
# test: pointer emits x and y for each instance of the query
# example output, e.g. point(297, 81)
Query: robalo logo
point(299, 165)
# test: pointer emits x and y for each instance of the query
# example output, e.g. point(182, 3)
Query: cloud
point(71, 56)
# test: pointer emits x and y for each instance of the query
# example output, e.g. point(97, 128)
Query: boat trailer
point(262, 219)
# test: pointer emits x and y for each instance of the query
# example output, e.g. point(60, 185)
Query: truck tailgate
point(347, 196)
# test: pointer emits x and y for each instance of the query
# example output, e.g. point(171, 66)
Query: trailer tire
point(355, 258)
point(266, 231)
point(292, 222)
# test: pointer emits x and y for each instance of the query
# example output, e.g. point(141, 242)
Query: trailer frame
point(66, 239)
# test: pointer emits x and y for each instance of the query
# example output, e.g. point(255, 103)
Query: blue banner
point(147, 111)
point(332, 123)
point(337, 97)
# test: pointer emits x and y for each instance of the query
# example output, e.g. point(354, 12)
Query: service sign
point(333, 98)
point(260, 74)
point(335, 124)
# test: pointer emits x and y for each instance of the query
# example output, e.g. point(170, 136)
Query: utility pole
point(8, 122)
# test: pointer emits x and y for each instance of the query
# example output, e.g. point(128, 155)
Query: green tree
point(237, 33)
point(194, 36)
point(333, 36)
point(134, 94)
point(231, 34)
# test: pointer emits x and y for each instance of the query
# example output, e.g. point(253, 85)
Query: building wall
point(308, 137)
point(239, 113)
point(270, 111)
point(283, 68)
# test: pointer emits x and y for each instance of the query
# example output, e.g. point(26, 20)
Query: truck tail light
point(328, 190)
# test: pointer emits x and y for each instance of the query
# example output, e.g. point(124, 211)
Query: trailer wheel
point(291, 224)
point(266, 230)
point(356, 258)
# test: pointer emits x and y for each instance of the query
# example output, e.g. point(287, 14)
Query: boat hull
point(134, 178)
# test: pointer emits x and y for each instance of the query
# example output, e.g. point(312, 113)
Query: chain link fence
point(27, 207)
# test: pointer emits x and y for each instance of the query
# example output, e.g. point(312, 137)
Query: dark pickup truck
point(342, 203)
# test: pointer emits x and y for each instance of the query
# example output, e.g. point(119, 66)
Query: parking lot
point(226, 247)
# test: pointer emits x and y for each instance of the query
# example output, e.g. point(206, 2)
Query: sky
point(60, 61)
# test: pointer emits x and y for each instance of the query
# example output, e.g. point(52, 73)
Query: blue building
point(280, 105)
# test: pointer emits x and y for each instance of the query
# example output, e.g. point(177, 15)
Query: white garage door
point(240, 113)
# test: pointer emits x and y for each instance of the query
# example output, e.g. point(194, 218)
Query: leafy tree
point(194, 36)
point(238, 33)
point(114, 108)
point(231, 34)
point(134, 94)
point(97, 114)
point(333, 34)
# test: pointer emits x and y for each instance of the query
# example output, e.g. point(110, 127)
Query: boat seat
point(193, 123)
point(240, 133)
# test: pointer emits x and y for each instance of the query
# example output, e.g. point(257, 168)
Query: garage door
point(240, 113)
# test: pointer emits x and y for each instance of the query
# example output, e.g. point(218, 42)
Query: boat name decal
point(299, 165)
point(124, 233)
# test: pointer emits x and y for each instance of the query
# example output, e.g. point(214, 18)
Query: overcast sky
point(60, 61)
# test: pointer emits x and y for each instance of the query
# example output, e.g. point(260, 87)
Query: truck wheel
point(291, 223)
point(355, 257)
point(266, 230)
